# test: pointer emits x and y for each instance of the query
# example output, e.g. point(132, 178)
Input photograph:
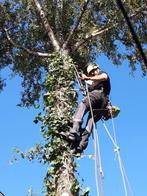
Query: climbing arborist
point(99, 87)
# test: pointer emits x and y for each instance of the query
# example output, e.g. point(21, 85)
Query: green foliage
point(59, 104)
point(27, 49)
point(60, 97)
point(25, 29)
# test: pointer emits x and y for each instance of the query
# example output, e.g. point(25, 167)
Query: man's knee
point(84, 140)
point(85, 101)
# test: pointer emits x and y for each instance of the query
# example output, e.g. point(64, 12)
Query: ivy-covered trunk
point(66, 184)
point(59, 100)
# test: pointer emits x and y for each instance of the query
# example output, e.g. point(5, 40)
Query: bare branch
point(91, 36)
point(47, 25)
point(26, 49)
point(139, 10)
point(82, 11)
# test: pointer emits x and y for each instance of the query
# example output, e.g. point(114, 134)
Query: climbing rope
point(98, 163)
point(116, 149)
point(127, 180)
point(121, 166)
point(77, 76)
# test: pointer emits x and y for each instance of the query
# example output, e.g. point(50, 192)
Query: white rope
point(100, 163)
point(96, 149)
point(120, 160)
point(127, 180)
point(110, 136)
point(77, 76)
point(123, 173)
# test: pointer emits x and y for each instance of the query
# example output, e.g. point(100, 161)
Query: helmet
point(92, 67)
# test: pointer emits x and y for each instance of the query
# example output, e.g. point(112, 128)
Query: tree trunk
point(66, 180)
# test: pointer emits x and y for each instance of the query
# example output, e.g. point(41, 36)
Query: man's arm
point(101, 77)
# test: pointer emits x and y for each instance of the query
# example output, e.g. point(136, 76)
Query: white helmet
point(91, 67)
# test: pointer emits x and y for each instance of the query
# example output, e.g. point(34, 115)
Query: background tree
point(43, 42)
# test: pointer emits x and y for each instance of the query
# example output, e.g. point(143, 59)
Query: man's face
point(94, 72)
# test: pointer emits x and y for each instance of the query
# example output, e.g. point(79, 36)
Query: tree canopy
point(44, 42)
point(85, 28)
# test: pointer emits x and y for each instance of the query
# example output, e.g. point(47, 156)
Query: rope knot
point(116, 149)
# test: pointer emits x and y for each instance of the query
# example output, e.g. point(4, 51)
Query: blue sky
point(18, 130)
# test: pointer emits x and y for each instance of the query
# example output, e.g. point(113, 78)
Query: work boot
point(83, 142)
point(74, 132)
point(72, 135)
point(79, 149)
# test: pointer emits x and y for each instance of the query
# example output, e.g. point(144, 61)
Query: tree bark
point(75, 27)
point(47, 26)
point(66, 177)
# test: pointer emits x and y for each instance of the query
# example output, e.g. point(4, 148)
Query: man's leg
point(97, 106)
point(95, 99)
point(87, 131)
point(84, 106)
point(78, 117)
point(74, 133)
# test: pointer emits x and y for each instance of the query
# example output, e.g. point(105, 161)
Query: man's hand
point(84, 77)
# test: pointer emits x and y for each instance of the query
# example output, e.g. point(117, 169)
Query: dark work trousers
point(98, 102)
point(97, 114)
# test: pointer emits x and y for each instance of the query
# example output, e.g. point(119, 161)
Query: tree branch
point(100, 31)
point(47, 26)
point(82, 11)
point(91, 36)
point(26, 49)
point(132, 31)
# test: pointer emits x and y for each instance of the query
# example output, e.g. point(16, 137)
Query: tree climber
point(99, 89)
